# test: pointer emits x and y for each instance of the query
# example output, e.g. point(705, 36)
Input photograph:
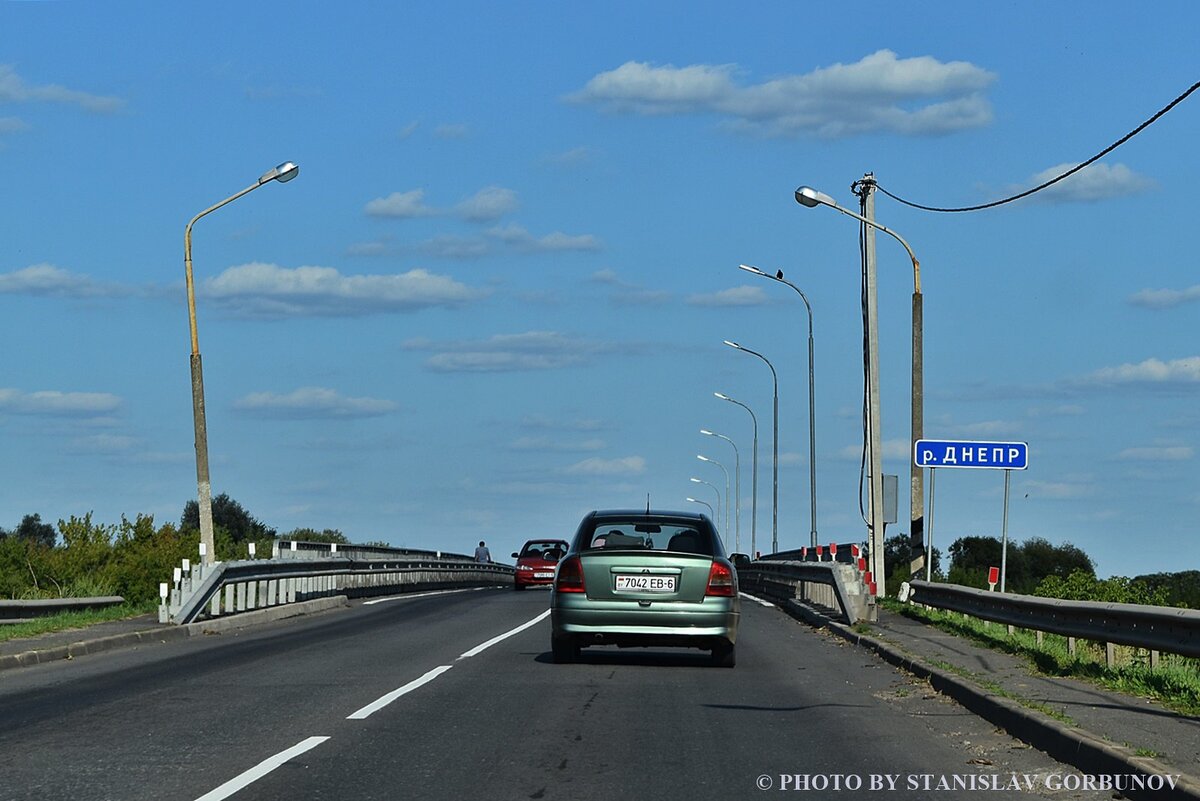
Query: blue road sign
point(959, 453)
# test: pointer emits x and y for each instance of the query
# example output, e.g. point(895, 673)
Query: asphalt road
point(418, 698)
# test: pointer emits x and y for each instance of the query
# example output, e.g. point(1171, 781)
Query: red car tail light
point(720, 581)
point(570, 576)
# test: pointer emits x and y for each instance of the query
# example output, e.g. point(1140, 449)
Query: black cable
point(1052, 181)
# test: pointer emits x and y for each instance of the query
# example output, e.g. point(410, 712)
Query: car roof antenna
point(647, 503)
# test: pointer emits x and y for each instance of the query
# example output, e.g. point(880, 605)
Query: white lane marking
point(383, 701)
point(757, 600)
point(261, 769)
point(483, 647)
point(421, 595)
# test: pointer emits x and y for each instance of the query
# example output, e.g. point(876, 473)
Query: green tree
point(897, 562)
point(229, 515)
point(1082, 585)
point(34, 530)
point(1182, 588)
point(312, 535)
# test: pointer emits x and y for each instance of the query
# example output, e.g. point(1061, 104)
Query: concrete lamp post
point(283, 173)
point(754, 475)
point(809, 198)
point(812, 420)
point(774, 448)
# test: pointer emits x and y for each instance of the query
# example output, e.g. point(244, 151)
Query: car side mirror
point(515, 555)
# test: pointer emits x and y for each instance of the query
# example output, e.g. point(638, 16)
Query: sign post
point(973, 454)
point(993, 577)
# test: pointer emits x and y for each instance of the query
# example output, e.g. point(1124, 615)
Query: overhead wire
point(1058, 178)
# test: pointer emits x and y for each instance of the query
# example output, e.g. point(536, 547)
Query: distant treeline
point(81, 558)
point(1038, 567)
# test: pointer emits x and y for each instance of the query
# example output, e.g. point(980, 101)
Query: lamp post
point(717, 519)
point(283, 173)
point(809, 197)
point(774, 447)
point(706, 503)
point(754, 474)
point(737, 489)
point(726, 472)
point(812, 421)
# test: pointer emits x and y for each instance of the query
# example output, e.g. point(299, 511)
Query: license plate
point(646, 583)
point(543, 575)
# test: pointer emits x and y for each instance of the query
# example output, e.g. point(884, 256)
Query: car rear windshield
point(549, 549)
point(679, 536)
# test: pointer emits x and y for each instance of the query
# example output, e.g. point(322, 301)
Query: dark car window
point(549, 549)
point(679, 536)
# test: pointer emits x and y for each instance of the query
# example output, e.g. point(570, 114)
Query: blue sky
point(495, 296)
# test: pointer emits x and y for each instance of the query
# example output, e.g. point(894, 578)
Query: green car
point(649, 579)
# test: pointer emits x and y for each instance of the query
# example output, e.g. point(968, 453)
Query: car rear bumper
point(527, 579)
point(588, 622)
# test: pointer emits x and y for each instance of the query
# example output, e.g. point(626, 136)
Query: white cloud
point(574, 157)
point(1059, 490)
point(1149, 372)
point(1092, 183)
point(734, 296)
point(913, 96)
point(451, 131)
point(58, 404)
point(556, 445)
point(266, 290)
point(12, 125)
point(629, 465)
point(14, 89)
point(533, 350)
point(46, 280)
point(489, 203)
point(401, 205)
point(543, 423)
point(517, 237)
point(1165, 298)
point(486, 205)
point(1169, 453)
point(313, 402)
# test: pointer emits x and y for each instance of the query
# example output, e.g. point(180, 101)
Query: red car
point(536, 563)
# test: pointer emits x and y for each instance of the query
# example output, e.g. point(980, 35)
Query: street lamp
point(754, 472)
point(726, 472)
point(812, 422)
point(809, 197)
point(283, 173)
point(706, 503)
point(717, 518)
point(737, 489)
point(775, 449)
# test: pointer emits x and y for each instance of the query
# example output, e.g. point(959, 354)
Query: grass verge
point(73, 620)
point(1175, 683)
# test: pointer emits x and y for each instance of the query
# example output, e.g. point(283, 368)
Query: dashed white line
point(484, 646)
point(383, 701)
point(756, 600)
point(421, 595)
point(267, 765)
point(261, 769)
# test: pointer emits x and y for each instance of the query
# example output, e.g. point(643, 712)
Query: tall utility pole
point(865, 190)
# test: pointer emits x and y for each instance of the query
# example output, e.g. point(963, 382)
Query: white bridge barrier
point(314, 571)
point(834, 585)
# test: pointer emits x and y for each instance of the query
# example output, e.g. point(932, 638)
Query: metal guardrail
point(14, 611)
point(227, 588)
point(832, 584)
point(1157, 628)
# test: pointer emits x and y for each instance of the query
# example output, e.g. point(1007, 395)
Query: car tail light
point(570, 576)
point(720, 581)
